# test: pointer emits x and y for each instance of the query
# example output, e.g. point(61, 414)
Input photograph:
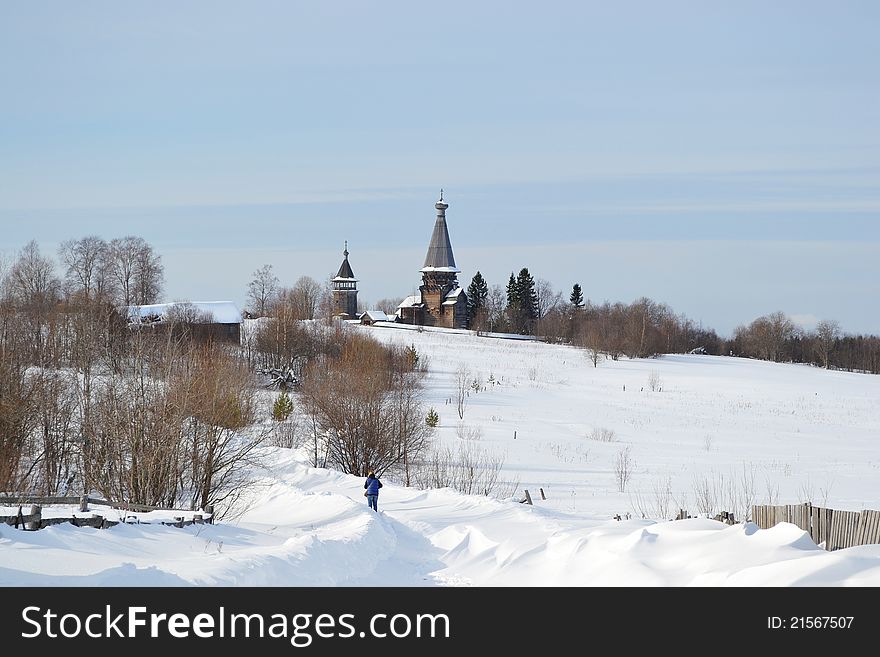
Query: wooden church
point(441, 302)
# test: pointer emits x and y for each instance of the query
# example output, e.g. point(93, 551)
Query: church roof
point(409, 302)
point(345, 272)
point(440, 257)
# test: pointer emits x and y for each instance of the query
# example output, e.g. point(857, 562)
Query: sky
point(723, 158)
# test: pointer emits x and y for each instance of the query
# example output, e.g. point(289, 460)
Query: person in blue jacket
point(372, 486)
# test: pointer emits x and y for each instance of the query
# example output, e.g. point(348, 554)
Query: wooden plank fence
point(836, 529)
point(33, 520)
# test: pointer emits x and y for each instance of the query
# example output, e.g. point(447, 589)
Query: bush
point(432, 419)
point(286, 434)
point(467, 469)
point(602, 435)
point(412, 357)
point(623, 468)
point(283, 407)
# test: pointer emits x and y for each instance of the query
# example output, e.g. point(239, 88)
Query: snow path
point(310, 527)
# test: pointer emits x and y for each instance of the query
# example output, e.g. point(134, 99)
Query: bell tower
point(345, 291)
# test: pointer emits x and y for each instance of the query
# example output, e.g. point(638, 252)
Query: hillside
point(710, 424)
point(804, 431)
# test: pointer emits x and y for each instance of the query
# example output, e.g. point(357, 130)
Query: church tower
point(444, 301)
point(345, 293)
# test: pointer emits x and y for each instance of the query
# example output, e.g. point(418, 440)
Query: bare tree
point(389, 305)
point(372, 421)
point(149, 275)
point(496, 305)
point(463, 381)
point(86, 266)
point(468, 469)
point(32, 279)
point(18, 403)
point(548, 299)
point(135, 451)
point(706, 490)
point(136, 271)
point(592, 339)
point(305, 297)
point(781, 329)
point(218, 402)
point(827, 334)
point(623, 468)
point(262, 290)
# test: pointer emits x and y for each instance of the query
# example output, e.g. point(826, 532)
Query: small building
point(372, 316)
point(441, 302)
point(345, 292)
point(215, 320)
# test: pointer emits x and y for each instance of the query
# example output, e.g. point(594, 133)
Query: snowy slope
point(800, 429)
point(310, 527)
point(809, 432)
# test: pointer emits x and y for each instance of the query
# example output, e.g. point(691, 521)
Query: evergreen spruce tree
point(412, 357)
point(528, 297)
point(512, 293)
point(477, 293)
point(283, 407)
point(577, 296)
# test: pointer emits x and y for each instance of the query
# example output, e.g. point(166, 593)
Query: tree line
point(89, 403)
point(646, 328)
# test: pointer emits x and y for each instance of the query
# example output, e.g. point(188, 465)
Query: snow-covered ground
point(798, 431)
point(806, 431)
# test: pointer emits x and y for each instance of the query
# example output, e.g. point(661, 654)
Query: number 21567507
point(810, 622)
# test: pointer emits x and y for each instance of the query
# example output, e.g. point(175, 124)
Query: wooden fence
point(837, 529)
point(33, 520)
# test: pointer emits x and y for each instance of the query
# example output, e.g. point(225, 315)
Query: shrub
point(432, 419)
point(602, 435)
point(283, 407)
point(412, 357)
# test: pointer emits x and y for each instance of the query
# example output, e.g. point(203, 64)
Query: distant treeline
point(775, 337)
point(646, 328)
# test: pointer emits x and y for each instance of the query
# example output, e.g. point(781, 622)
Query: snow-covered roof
point(454, 293)
point(345, 272)
point(409, 302)
point(452, 270)
point(376, 316)
point(221, 312)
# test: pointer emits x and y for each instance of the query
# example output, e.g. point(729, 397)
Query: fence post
point(84, 503)
point(528, 499)
point(209, 509)
point(36, 518)
point(198, 519)
point(543, 497)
